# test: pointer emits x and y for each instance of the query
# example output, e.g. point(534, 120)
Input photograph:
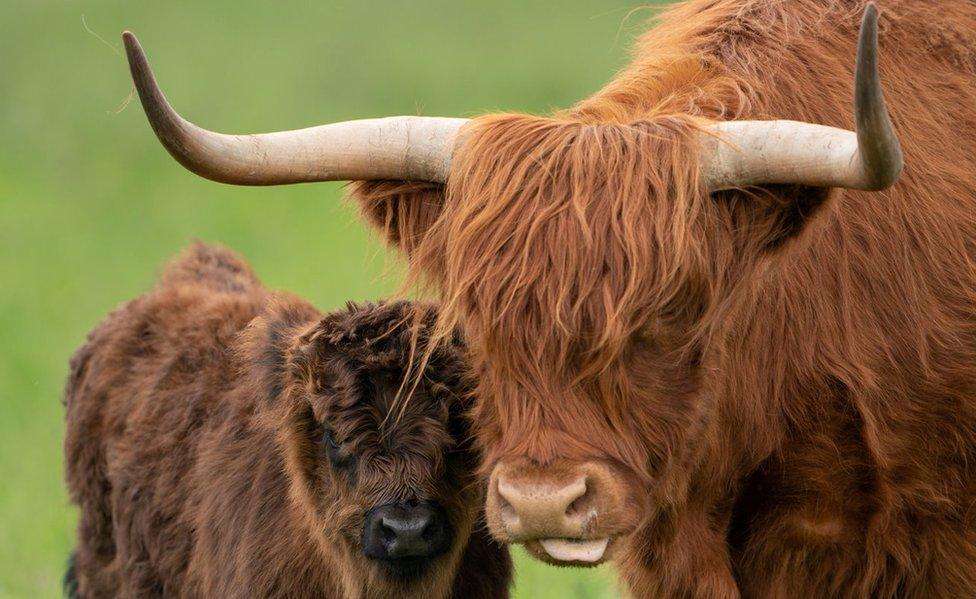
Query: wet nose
point(405, 530)
point(564, 512)
point(559, 508)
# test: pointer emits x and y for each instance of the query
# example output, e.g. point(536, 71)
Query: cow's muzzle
point(567, 513)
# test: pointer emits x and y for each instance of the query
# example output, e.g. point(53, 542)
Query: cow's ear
point(766, 220)
point(403, 211)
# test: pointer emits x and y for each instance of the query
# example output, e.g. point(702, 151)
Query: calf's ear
point(311, 354)
point(402, 211)
point(267, 343)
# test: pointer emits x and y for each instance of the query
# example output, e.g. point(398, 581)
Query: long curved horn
point(744, 153)
point(404, 147)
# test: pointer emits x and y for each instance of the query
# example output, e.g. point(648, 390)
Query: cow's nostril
point(583, 503)
point(508, 513)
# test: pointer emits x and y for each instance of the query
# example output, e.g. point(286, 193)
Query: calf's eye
point(331, 445)
point(333, 449)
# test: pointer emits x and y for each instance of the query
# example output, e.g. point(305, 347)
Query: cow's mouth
point(576, 552)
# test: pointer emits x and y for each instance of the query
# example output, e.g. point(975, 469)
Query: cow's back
point(142, 389)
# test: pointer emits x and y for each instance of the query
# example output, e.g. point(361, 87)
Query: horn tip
point(870, 15)
point(133, 49)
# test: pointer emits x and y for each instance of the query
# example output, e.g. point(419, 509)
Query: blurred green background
point(91, 205)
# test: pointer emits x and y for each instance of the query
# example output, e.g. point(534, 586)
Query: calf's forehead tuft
point(380, 385)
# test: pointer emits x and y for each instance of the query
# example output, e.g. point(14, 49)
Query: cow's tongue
point(573, 550)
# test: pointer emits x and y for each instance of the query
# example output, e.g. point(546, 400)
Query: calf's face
point(377, 446)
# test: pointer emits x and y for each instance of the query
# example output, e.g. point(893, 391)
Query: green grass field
point(91, 205)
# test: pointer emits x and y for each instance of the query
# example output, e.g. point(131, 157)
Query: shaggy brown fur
point(195, 448)
point(784, 378)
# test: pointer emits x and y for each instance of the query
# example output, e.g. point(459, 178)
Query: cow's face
point(387, 482)
point(589, 270)
point(573, 473)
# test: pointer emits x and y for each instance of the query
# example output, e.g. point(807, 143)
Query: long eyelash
point(331, 445)
point(328, 437)
point(333, 450)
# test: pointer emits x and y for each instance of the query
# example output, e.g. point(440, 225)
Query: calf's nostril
point(432, 531)
point(387, 533)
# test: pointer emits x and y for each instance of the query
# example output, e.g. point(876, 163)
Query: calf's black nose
point(406, 530)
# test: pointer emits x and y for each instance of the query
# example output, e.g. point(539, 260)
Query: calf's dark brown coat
point(225, 441)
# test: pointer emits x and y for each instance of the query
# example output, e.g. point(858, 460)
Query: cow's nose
point(564, 512)
point(405, 530)
point(547, 508)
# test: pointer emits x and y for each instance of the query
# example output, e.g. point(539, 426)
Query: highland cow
point(224, 441)
point(721, 338)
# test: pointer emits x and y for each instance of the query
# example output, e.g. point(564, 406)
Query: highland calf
point(224, 441)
